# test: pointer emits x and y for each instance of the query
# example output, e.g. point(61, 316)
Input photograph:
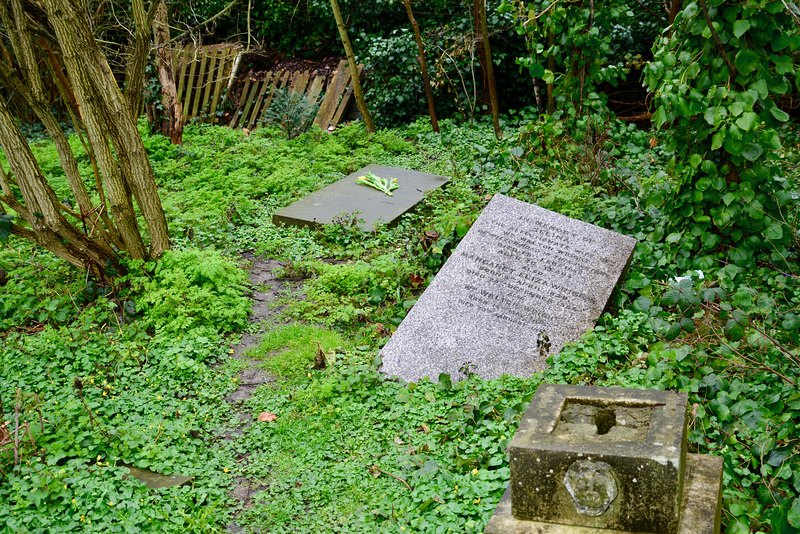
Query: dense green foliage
point(190, 289)
point(579, 47)
point(137, 374)
point(719, 86)
point(97, 394)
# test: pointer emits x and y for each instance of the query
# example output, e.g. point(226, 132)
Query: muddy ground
point(267, 289)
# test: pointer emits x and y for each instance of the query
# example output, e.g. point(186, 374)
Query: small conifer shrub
point(292, 112)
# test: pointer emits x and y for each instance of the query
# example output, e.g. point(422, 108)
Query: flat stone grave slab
point(522, 282)
point(154, 480)
point(347, 197)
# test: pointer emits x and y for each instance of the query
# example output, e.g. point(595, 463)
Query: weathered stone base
point(700, 514)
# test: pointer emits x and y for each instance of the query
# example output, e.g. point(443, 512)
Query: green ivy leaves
point(725, 160)
point(747, 61)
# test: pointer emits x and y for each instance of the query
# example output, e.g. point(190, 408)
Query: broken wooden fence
point(205, 76)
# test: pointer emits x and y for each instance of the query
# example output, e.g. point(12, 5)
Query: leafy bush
point(340, 294)
point(582, 48)
point(719, 87)
point(191, 288)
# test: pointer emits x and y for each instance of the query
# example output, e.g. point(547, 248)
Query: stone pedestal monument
point(607, 460)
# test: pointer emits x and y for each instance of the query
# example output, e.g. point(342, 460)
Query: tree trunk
point(171, 122)
point(84, 235)
point(480, 51)
point(41, 209)
point(490, 73)
point(351, 59)
point(106, 116)
point(137, 60)
point(674, 8)
point(424, 66)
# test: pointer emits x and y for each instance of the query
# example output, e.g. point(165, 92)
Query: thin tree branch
point(792, 13)
point(205, 22)
point(376, 468)
point(721, 49)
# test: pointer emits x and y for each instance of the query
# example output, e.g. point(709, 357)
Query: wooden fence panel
point(299, 82)
point(335, 89)
point(280, 81)
point(190, 82)
point(242, 98)
point(201, 75)
point(315, 87)
point(199, 84)
point(227, 57)
point(253, 122)
point(208, 82)
point(204, 74)
point(182, 61)
point(257, 90)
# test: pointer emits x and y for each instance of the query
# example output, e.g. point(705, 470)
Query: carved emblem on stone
point(592, 486)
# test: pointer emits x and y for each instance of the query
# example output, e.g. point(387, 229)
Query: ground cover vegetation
point(137, 374)
point(135, 371)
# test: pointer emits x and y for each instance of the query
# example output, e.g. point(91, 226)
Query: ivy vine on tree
point(570, 49)
point(719, 78)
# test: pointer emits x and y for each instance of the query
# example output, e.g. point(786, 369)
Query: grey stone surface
point(154, 480)
point(700, 514)
point(522, 282)
point(563, 472)
point(373, 206)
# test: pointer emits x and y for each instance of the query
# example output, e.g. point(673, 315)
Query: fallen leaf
point(266, 416)
point(653, 142)
point(398, 440)
point(416, 279)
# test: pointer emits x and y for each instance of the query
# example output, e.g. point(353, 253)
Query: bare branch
point(205, 22)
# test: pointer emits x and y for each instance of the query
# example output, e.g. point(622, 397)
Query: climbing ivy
point(719, 78)
point(577, 47)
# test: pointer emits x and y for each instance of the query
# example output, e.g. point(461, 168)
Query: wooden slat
point(245, 91)
point(335, 89)
point(254, 92)
point(182, 74)
point(280, 80)
point(176, 54)
point(315, 87)
point(189, 88)
point(223, 71)
point(341, 111)
point(299, 82)
point(257, 107)
point(208, 82)
point(199, 84)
